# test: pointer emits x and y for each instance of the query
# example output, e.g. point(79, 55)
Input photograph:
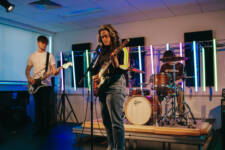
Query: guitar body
point(32, 89)
point(98, 84)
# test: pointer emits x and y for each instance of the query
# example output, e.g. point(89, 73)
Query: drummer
point(169, 60)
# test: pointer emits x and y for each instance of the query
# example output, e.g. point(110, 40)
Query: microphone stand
point(90, 68)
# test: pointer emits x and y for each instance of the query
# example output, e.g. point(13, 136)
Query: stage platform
point(199, 136)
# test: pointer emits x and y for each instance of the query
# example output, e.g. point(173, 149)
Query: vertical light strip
point(195, 66)
point(215, 65)
point(181, 50)
point(152, 58)
point(88, 77)
point(61, 71)
point(50, 44)
point(158, 63)
point(168, 46)
point(203, 70)
point(140, 66)
point(181, 54)
point(74, 73)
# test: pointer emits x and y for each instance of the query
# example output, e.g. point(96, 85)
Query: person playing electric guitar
point(113, 91)
point(43, 101)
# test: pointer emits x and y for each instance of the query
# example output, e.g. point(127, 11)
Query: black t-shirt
point(105, 56)
point(168, 68)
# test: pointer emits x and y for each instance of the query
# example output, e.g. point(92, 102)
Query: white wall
point(162, 31)
point(158, 31)
point(16, 45)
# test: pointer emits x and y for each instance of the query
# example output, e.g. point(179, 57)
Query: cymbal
point(135, 70)
point(169, 59)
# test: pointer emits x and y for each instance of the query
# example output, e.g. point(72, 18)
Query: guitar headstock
point(125, 42)
point(67, 65)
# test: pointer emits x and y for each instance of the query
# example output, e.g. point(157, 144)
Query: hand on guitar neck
point(114, 59)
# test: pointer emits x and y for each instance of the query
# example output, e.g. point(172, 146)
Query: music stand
point(61, 105)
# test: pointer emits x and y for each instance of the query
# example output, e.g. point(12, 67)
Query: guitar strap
point(46, 65)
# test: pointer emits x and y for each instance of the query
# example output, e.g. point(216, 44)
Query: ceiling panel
point(116, 6)
point(158, 13)
point(212, 5)
point(118, 19)
point(147, 4)
point(81, 14)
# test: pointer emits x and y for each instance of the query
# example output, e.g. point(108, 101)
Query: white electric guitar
point(32, 89)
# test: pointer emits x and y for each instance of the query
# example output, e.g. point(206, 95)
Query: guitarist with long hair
point(113, 60)
point(43, 101)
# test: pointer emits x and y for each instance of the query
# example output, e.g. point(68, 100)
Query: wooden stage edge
point(202, 129)
point(200, 136)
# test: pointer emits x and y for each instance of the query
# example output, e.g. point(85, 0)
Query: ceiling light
point(8, 6)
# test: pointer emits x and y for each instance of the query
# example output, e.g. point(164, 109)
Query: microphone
point(98, 51)
point(95, 60)
point(92, 64)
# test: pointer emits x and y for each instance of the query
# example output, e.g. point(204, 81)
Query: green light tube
point(195, 66)
point(203, 70)
point(89, 75)
point(215, 65)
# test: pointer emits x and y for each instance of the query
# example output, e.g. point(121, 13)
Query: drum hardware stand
point(173, 106)
point(171, 114)
point(167, 116)
point(189, 109)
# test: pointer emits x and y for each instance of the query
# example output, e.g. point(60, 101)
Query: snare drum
point(139, 109)
point(137, 91)
point(161, 80)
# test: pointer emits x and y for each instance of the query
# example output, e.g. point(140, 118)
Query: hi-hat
point(169, 59)
point(135, 70)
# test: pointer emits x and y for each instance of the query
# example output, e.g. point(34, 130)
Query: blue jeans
point(111, 101)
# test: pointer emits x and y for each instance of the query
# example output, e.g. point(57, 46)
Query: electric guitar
point(101, 75)
point(32, 89)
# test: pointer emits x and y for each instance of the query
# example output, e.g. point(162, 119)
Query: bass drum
point(139, 109)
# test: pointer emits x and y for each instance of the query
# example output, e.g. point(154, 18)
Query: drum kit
point(145, 108)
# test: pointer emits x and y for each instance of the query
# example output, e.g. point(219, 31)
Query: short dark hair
point(42, 39)
point(168, 53)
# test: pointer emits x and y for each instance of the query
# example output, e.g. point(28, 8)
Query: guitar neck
point(121, 46)
point(117, 50)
